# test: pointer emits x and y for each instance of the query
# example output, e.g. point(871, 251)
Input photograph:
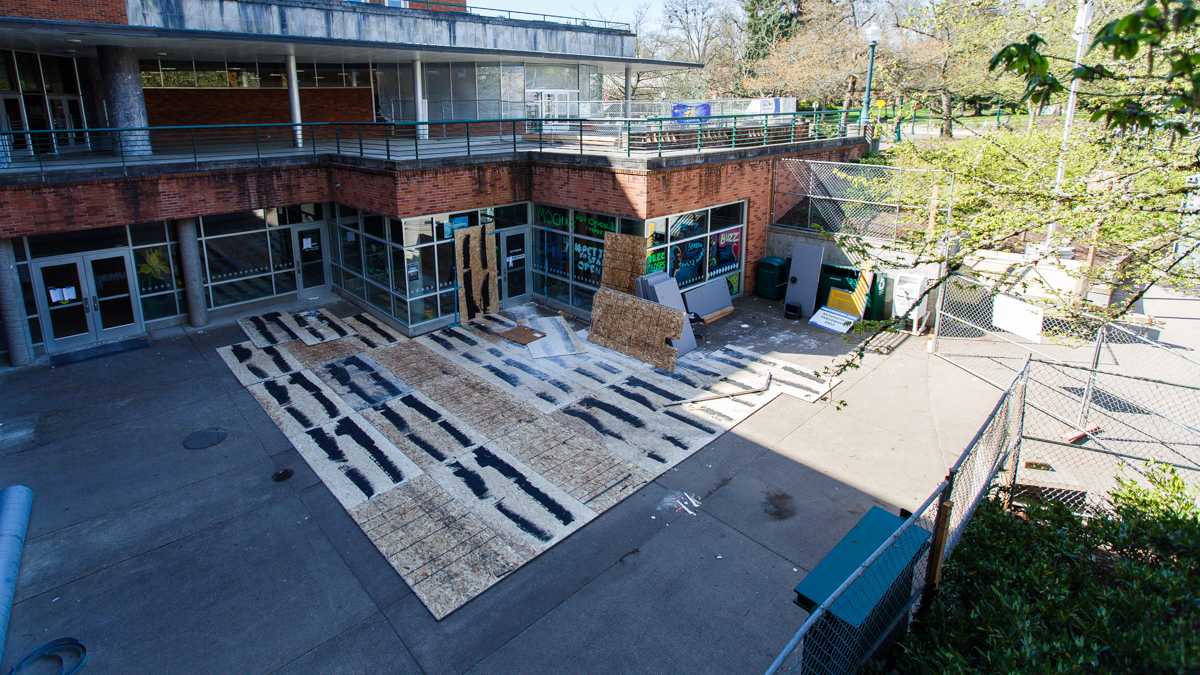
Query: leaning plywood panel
point(636, 327)
point(478, 286)
point(624, 261)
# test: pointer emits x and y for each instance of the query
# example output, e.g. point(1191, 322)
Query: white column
point(628, 90)
point(294, 100)
point(419, 95)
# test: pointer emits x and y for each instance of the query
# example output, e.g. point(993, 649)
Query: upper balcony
point(647, 141)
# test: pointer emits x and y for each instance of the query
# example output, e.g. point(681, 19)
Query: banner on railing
point(686, 111)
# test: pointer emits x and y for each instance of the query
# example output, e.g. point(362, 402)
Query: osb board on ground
point(636, 327)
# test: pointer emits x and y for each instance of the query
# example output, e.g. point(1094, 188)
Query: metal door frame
point(96, 334)
point(321, 234)
point(502, 265)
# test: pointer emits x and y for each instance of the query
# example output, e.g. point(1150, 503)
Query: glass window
point(281, 250)
point(488, 90)
point(159, 306)
point(400, 309)
point(552, 216)
point(347, 216)
point(582, 298)
point(374, 225)
point(300, 213)
point(437, 90)
point(633, 226)
point(591, 83)
point(306, 74)
point(151, 75)
point(552, 288)
point(178, 74)
point(552, 77)
point(510, 216)
point(589, 261)
point(351, 252)
point(551, 252)
point(398, 271)
point(244, 75)
point(656, 260)
point(8, 76)
point(512, 83)
point(354, 285)
point(237, 256)
point(728, 216)
point(212, 74)
point(153, 265)
point(331, 75)
point(30, 71)
point(423, 309)
point(687, 262)
point(376, 259)
point(273, 75)
point(656, 229)
point(448, 304)
point(420, 270)
point(594, 224)
point(59, 73)
point(724, 253)
point(379, 297)
point(417, 231)
point(243, 221)
point(77, 242)
point(242, 291)
point(148, 233)
point(357, 75)
point(456, 221)
point(688, 225)
point(446, 266)
point(464, 91)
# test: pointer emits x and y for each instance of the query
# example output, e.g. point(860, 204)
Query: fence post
point(360, 143)
point(257, 147)
point(766, 128)
point(941, 531)
point(581, 137)
point(1086, 403)
point(733, 134)
point(195, 155)
point(628, 138)
point(417, 143)
point(387, 146)
point(660, 136)
point(514, 134)
point(1019, 387)
point(337, 140)
point(468, 127)
point(700, 135)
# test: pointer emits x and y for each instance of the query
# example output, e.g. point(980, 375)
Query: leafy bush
point(1049, 591)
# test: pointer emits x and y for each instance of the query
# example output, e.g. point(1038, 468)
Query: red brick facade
point(605, 190)
point(94, 11)
point(419, 192)
point(438, 6)
point(255, 106)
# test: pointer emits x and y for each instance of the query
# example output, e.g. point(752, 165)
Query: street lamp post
point(871, 33)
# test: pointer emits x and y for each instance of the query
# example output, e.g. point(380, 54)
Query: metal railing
point(44, 151)
point(435, 6)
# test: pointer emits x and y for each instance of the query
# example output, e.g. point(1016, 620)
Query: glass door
point(85, 300)
point(116, 313)
point(311, 255)
point(64, 304)
point(514, 266)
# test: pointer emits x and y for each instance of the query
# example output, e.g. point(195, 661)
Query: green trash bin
point(835, 276)
point(877, 298)
point(771, 279)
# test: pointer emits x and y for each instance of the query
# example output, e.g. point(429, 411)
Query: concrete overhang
point(81, 39)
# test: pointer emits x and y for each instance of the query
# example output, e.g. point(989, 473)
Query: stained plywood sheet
point(373, 331)
point(636, 327)
point(361, 382)
point(268, 329)
point(624, 261)
point(478, 284)
point(805, 276)
point(316, 326)
point(251, 365)
point(299, 402)
point(353, 459)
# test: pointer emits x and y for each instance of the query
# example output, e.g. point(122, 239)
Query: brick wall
point(438, 6)
point(420, 192)
point(605, 190)
point(29, 210)
point(255, 106)
point(94, 11)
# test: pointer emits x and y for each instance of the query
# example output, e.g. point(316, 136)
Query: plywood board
point(478, 282)
point(624, 261)
point(636, 327)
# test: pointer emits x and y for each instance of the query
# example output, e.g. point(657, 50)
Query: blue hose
point(16, 502)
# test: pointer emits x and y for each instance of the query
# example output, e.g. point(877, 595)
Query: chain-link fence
point(862, 199)
point(878, 599)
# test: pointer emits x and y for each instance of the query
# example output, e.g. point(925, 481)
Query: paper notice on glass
point(56, 295)
point(307, 244)
point(68, 293)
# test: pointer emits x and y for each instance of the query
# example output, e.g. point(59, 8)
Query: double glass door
point(87, 299)
point(513, 266)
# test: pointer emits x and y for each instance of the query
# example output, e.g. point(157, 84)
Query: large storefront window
point(37, 92)
point(405, 267)
point(699, 246)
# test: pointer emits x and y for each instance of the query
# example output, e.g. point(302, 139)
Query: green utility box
point(771, 280)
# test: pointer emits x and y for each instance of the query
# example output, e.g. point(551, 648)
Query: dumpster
point(771, 279)
point(835, 276)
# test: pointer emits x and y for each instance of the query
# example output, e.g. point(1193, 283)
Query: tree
point(768, 22)
point(815, 62)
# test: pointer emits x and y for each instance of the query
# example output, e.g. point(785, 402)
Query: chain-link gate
point(865, 200)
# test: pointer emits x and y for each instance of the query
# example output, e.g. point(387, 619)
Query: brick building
point(166, 162)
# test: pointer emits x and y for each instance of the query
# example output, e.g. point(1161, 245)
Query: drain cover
point(205, 438)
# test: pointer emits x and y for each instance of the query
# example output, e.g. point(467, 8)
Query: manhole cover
point(205, 438)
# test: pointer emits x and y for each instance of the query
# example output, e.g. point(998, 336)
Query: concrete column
point(419, 94)
point(294, 101)
point(193, 271)
point(628, 90)
point(123, 99)
point(12, 308)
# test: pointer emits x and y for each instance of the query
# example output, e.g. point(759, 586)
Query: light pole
point(871, 33)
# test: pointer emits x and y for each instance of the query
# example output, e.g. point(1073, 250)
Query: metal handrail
point(505, 13)
point(42, 150)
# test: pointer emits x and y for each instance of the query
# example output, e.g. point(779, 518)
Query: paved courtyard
point(166, 559)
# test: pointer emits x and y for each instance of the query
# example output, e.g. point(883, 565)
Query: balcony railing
point(436, 6)
point(46, 151)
